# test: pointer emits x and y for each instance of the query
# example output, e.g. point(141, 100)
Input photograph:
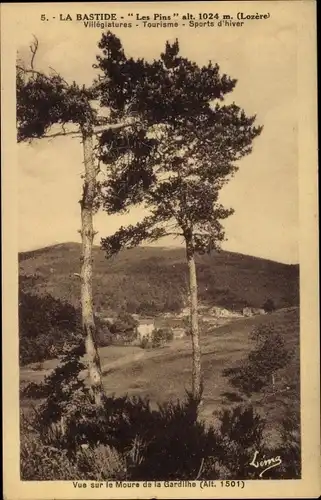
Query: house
point(145, 328)
point(108, 320)
point(179, 333)
point(251, 311)
point(258, 310)
point(220, 312)
point(247, 311)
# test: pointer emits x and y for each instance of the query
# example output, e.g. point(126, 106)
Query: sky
point(264, 192)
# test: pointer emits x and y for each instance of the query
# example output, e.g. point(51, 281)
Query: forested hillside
point(150, 280)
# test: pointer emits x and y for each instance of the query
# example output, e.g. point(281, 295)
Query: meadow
point(165, 373)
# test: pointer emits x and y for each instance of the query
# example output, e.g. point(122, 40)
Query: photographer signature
point(267, 463)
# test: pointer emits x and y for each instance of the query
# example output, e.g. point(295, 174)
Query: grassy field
point(165, 373)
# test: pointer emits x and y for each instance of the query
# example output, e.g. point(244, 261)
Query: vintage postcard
point(160, 250)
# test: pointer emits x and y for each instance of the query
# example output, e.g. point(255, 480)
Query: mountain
point(153, 279)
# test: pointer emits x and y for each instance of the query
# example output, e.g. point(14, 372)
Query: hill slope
point(151, 280)
point(165, 373)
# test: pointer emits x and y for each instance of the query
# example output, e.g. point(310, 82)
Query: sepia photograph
point(158, 247)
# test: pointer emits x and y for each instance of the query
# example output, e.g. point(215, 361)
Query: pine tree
point(177, 162)
point(42, 102)
point(45, 101)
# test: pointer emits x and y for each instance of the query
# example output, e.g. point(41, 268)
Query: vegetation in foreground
point(131, 434)
point(70, 438)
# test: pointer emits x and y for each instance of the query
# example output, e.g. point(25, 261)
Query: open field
point(165, 373)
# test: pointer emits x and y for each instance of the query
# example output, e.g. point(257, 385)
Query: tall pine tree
point(46, 101)
point(178, 160)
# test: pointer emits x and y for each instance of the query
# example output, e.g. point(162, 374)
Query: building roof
point(146, 321)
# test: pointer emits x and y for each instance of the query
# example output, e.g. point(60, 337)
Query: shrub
point(129, 440)
point(161, 336)
point(124, 438)
point(264, 360)
point(104, 336)
point(270, 353)
point(246, 379)
point(290, 449)
point(45, 323)
point(125, 327)
point(39, 462)
point(176, 444)
point(269, 306)
point(101, 463)
point(145, 343)
point(33, 391)
point(241, 434)
point(43, 462)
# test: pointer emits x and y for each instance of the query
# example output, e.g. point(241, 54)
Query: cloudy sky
point(262, 56)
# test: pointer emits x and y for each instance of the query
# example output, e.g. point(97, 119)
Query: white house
point(145, 328)
point(251, 311)
point(179, 333)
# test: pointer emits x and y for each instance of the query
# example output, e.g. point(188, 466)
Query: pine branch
point(96, 130)
point(62, 79)
point(62, 134)
point(32, 71)
point(133, 235)
point(113, 126)
point(176, 235)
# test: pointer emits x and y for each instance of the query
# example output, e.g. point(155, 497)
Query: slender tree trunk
point(87, 236)
point(196, 370)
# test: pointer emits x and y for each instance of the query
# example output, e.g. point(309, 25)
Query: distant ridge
point(28, 254)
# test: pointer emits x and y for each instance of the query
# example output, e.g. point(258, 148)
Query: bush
point(290, 449)
point(33, 391)
point(124, 438)
point(45, 324)
point(146, 444)
point(104, 336)
point(270, 353)
point(241, 434)
point(40, 462)
point(269, 306)
point(161, 336)
point(174, 444)
point(145, 343)
point(125, 327)
point(158, 338)
point(129, 440)
point(266, 358)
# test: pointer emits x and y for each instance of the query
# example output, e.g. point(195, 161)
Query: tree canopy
point(183, 153)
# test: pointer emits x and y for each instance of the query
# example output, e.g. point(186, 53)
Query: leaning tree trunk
point(87, 236)
point(196, 347)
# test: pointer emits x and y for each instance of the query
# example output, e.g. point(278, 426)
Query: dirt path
point(124, 360)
